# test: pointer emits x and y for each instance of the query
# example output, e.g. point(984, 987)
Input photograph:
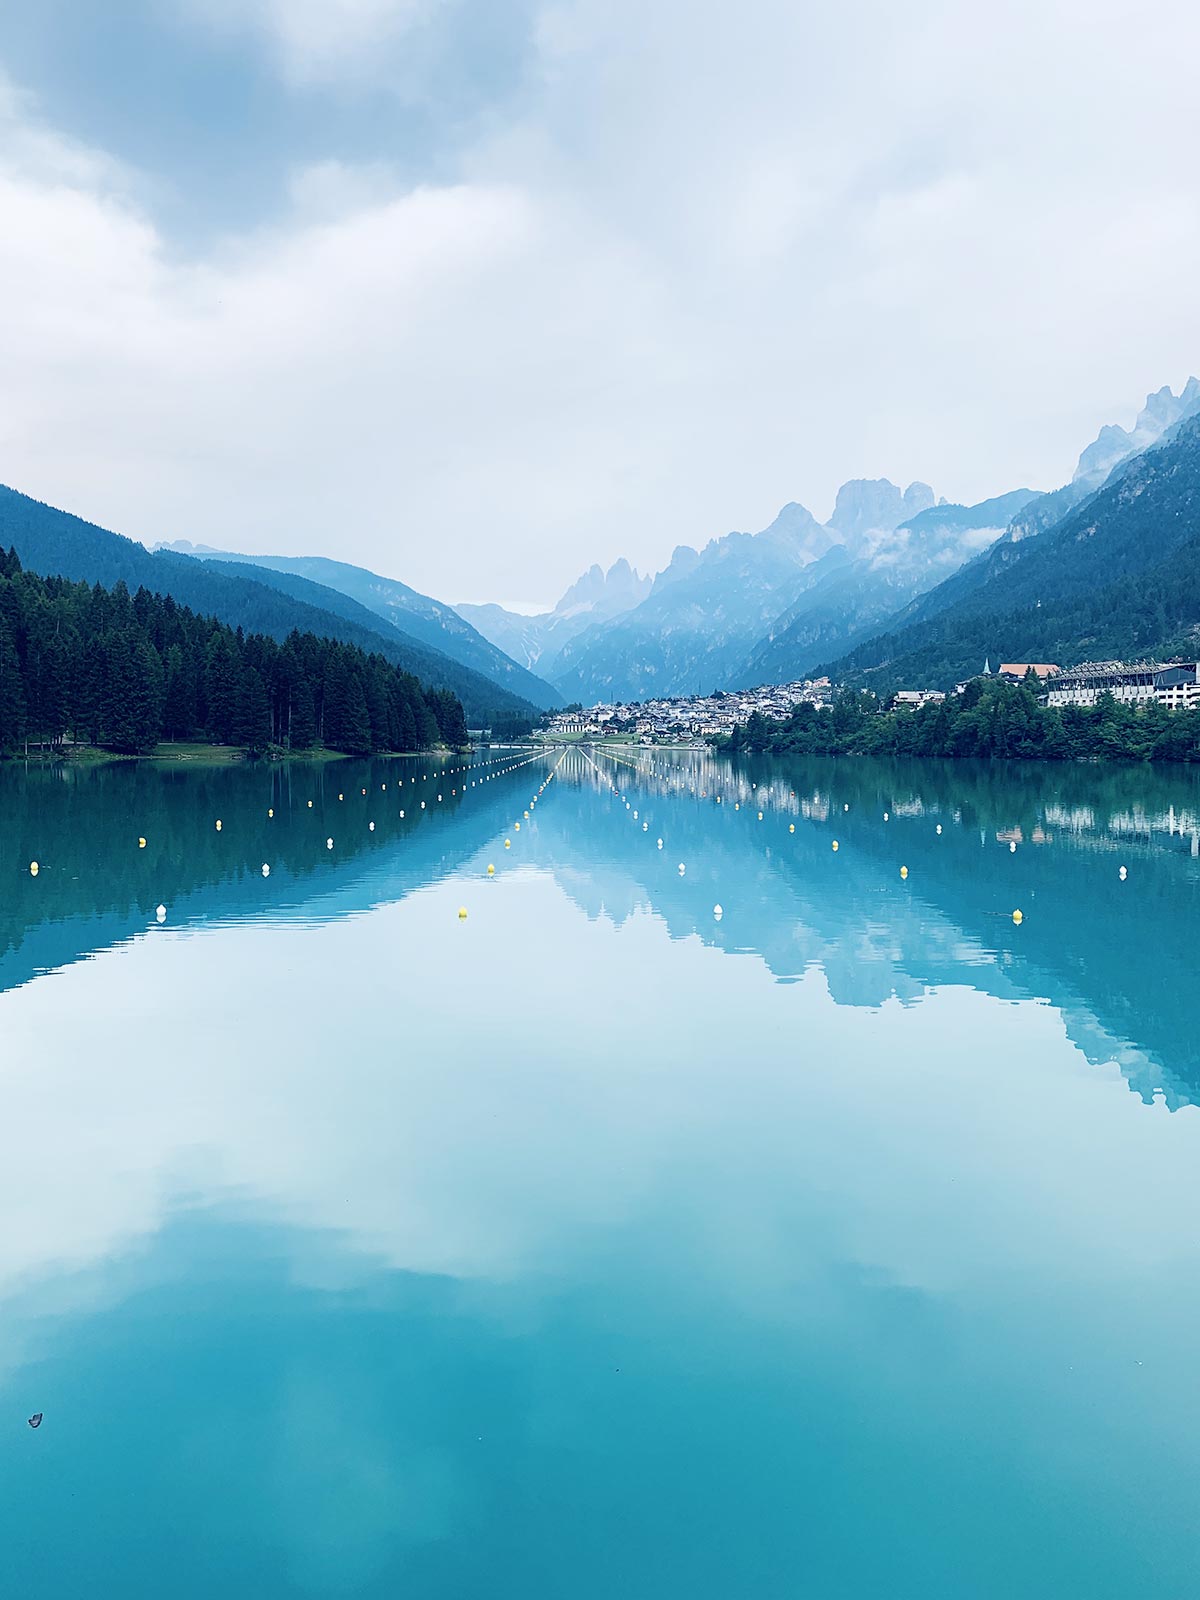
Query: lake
point(596, 1245)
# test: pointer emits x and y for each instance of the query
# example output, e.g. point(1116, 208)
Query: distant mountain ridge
point(538, 640)
point(57, 543)
point(761, 607)
point(418, 616)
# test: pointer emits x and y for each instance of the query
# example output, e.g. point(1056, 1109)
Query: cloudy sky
point(477, 292)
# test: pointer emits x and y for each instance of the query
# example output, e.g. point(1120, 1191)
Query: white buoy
point(161, 913)
point(1123, 874)
point(34, 869)
point(1012, 847)
point(371, 827)
point(329, 844)
point(660, 844)
point(266, 870)
point(718, 911)
point(682, 869)
point(939, 827)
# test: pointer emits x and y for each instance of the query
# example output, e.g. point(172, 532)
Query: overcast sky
point(477, 292)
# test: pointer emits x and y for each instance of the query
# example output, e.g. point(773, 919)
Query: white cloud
point(710, 262)
point(320, 40)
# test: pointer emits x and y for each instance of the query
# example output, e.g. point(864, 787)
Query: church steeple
point(987, 667)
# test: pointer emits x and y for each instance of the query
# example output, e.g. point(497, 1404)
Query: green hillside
point(56, 543)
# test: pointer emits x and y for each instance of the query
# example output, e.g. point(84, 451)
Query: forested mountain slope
point(57, 543)
point(417, 616)
point(1118, 577)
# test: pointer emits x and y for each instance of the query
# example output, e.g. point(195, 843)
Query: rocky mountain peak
point(1112, 444)
point(868, 505)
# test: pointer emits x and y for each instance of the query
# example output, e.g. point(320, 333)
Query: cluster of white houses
point(685, 718)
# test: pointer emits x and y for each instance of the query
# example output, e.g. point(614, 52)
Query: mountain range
point(896, 589)
point(844, 596)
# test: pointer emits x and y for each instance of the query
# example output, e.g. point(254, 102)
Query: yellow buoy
point(516, 827)
point(904, 872)
point(835, 844)
point(491, 870)
point(508, 844)
point(462, 913)
point(310, 805)
point(270, 811)
point(791, 827)
point(1018, 916)
point(141, 843)
point(34, 869)
point(218, 824)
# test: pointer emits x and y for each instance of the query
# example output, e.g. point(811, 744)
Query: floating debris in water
point(35, 1420)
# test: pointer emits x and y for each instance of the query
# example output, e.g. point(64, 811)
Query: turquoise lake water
point(842, 1247)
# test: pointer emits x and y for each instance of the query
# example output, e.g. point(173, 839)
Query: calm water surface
point(841, 1247)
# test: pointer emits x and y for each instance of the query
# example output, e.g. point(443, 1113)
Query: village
point(685, 720)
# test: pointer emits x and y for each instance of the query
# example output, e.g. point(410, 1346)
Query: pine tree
point(12, 691)
point(252, 728)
